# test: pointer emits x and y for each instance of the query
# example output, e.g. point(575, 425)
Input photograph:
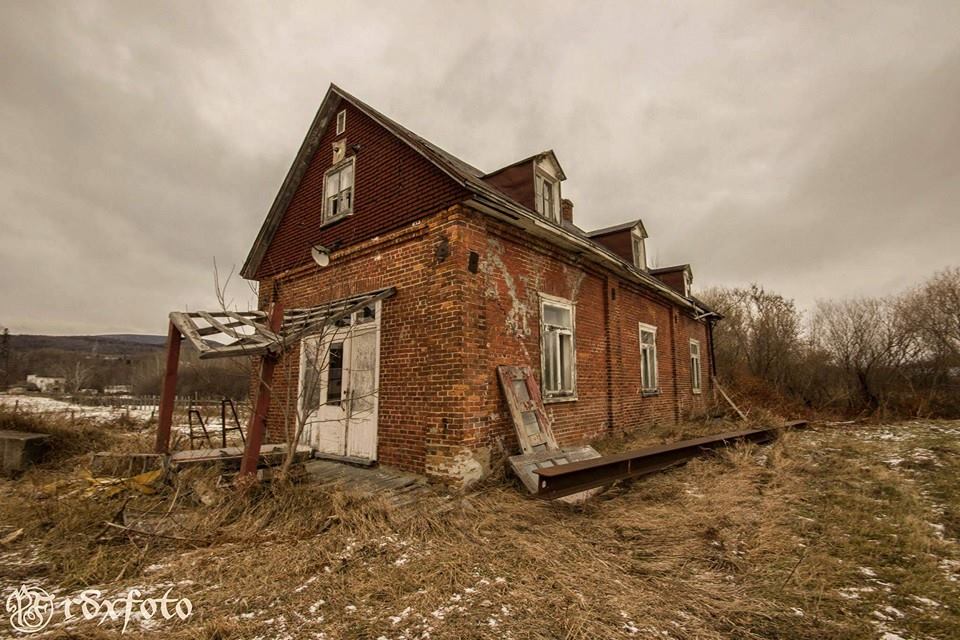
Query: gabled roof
point(485, 196)
point(678, 267)
point(619, 227)
point(465, 174)
point(534, 158)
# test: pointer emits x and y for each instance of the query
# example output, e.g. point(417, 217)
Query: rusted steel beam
point(168, 392)
point(563, 480)
point(258, 418)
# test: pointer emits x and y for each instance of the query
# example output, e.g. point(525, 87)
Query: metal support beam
point(258, 418)
point(563, 480)
point(168, 393)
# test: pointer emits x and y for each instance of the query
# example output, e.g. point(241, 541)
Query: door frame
point(308, 427)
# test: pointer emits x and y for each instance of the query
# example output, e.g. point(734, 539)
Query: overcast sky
point(813, 147)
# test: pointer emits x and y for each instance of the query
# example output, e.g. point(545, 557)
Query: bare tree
point(867, 339)
point(933, 309)
point(76, 374)
point(760, 333)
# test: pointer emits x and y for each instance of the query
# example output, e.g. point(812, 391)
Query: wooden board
point(526, 465)
point(526, 408)
point(269, 453)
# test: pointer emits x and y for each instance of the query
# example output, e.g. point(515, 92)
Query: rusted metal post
point(168, 394)
point(258, 419)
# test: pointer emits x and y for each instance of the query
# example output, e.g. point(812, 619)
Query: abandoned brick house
point(487, 269)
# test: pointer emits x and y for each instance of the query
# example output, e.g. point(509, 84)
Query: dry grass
point(810, 537)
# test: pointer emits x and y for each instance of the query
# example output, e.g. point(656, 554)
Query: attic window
point(687, 282)
point(546, 194)
point(341, 122)
point(639, 251)
point(338, 190)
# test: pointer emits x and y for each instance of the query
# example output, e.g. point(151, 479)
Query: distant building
point(118, 389)
point(47, 384)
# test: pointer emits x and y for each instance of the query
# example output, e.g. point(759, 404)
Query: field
point(837, 531)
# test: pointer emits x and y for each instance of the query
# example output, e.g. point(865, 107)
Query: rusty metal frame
point(567, 479)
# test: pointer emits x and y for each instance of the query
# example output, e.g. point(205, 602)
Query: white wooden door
point(339, 374)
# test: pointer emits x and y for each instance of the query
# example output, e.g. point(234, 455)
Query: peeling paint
point(518, 322)
point(575, 278)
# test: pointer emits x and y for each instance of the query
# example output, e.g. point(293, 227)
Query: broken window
point(335, 374)
point(648, 357)
point(557, 348)
point(546, 198)
point(338, 190)
point(367, 314)
point(695, 365)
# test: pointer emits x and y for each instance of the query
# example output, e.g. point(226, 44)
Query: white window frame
point(639, 257)
point(646, 385)
point(341, 122)
point(696, 373)
point(340, 166)
point(554, 332)
point(546, 184)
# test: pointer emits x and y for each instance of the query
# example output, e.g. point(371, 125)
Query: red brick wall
point(443, 334)
point(393, 187)
point(422, 366)
point(503, 327)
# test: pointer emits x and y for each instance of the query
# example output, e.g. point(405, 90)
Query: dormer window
point(639, 250)
point(547, 199)
point(338, 190)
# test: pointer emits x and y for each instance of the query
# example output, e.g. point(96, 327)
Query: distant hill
point(113, 344)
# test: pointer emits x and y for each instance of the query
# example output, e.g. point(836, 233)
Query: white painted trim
point(353, 197)
point(699, 378)
point(649, 328)
point(635, 237)
point(547, 396)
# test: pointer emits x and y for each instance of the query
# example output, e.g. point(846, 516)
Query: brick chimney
point(566, 211)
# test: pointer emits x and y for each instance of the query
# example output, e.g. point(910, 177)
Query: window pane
point(645, 368)
point(550, 361)
point(566, 362)
point(648, 337)
point(335, 374)
point(346, 176)
point(367, 314)
point(333, 183)
point(557, 316)
point(653, 368)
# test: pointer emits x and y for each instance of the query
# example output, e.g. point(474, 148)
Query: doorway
point(339, 381)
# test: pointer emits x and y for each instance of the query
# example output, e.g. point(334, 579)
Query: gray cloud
point(810, 147)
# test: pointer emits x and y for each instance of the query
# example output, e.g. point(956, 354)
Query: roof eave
point(514, 214)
